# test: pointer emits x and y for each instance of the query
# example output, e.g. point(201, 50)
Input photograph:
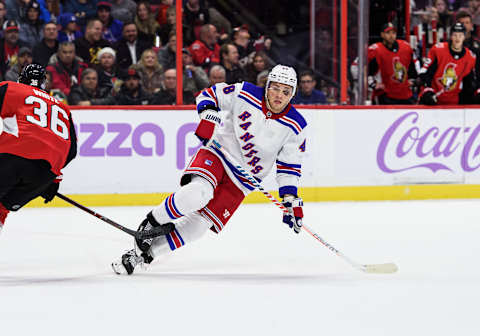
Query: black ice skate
point(127, 264)
point(150, 223)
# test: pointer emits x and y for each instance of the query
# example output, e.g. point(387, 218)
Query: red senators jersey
point(36, 125)
point(445, 71)
point(394, 65)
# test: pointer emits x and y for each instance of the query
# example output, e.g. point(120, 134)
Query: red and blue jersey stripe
point(289, 168)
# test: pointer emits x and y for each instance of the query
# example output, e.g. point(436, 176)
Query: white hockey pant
point(187, 229)
point(189, 198)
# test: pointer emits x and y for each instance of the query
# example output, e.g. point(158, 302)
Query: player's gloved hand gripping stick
point(370, 268)
point(141, 235)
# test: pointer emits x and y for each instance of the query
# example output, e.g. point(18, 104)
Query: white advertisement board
point(145, 151)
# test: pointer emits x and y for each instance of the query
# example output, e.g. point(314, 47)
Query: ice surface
point(255, 278)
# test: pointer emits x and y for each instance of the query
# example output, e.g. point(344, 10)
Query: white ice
point(256, 278)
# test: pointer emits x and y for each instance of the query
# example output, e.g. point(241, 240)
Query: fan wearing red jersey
point(37, 141)
point(395, 61)
point(449, 72)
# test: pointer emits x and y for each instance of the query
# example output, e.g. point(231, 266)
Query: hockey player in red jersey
point(395, 60)
point(37, 141)
point(258, 128)
point(449, 72)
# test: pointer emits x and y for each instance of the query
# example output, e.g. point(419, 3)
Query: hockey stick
point(367, 268)
point(142, 235)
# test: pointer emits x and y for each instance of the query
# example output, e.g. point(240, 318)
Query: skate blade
point(118, 268)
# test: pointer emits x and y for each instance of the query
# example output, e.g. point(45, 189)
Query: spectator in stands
point(107, 70)
point(448, 71)
point(62, 97)
point(307, 94)
point(167, 54)
point(67, 71)
point(84, 10)
point(471, 42)
point(473, 8)
point(47, 46)
point(150, 71)
point(32, 26)
point(229, 57)
point(166, 29)
point(241, 39)
point(54, 8)
point(131, 92)
point(24, 58)
point(69, 31)
point(440, 13)
point(196, 14)
point(223, 25)
point(112, 28)
point(395, 60)
point(206, 51)
point(262, 78)
point(9, 46)
point(3, 14)
point(124, 10)
point(162, 11)
point(16, 10)
point(168, 94)
point(260, 62)
point(90, 44)
point(130, 48)
point(217, 75)
point(194, 77)
point(87, 92)
point(148, 27)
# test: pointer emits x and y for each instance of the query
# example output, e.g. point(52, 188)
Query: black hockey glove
point(49, 193)
point(428, 98)
point(294, 216)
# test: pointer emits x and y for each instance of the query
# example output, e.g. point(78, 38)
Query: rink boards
point(136, 156)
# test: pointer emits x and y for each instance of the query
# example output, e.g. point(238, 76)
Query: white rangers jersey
point(255, 137)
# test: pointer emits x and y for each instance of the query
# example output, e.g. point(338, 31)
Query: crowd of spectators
point(123, 52)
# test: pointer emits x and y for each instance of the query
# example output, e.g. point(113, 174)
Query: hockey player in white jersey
point(261, 130)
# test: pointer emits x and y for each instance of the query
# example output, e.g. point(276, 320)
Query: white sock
point(189, 198)
point(187, 229)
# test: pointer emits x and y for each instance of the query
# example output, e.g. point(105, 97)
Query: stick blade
point(380, 268)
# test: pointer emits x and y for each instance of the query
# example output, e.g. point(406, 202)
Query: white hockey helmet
point(283, 74)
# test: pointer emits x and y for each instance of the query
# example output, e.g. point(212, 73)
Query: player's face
point(457, 40)
point(389, 36)
point(279, 96)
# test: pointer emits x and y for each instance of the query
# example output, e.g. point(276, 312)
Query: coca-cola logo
point(428, 146)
